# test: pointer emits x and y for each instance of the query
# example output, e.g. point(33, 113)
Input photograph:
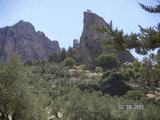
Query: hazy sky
point(62, 20)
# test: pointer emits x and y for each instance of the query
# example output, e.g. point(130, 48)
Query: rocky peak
point(94, 19)
point(40, 33)
point(90, 47)
point(92, 22)
point(23, 40)
point(75, 43)
point(23, 27)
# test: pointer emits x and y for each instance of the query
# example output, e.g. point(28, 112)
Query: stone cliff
point(90, 47)
point(23, 40)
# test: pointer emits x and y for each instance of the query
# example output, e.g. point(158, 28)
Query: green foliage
point(60, 91)
point(106, 74)
point(143, 42)
point(107, 62)
point(88, 107)
point(91, 106)
point(63, 54)
point(27, 91)
point(82, 67)
point(148, 38)
point(116, 41)
point(69, 62)
point(29, 63)
point(155, 9)
point(70, 52)
point(131, 71)
point(134, 95)
point(146, 73)
point(89, 87)
point(55, 57)
point(98, 69)
point(39, 62)
point(17, 100)
point(114, 85)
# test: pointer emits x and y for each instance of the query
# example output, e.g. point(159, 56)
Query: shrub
point(114, 85)
point(70, 52)
point(89, 87)
point(82, 67)
point(17, 99)
point(55, 57)
point(107, 62)
point(98, 69)
point(69, 62)
point(106, 74)
point(63, 54)
point(38, 62)
point(29, 63)
point(88, 107)
point(134, 94)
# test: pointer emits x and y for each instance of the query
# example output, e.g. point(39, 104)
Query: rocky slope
point(90, 47)
point(23, 40)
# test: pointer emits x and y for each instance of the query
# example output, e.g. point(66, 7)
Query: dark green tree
point(151, 9)
point(107, 62)
point(55, 57)
point(69, 62)
point(17, 101)
point(63, 54)
point(71, 52)
point(148, 38)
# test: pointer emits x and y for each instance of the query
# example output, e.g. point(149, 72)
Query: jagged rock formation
point(125, 56)
point(75, 43)
point(23, 40)
point(90, 47)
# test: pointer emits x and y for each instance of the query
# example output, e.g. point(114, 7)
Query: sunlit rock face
point(23, 40)
point(90, 47)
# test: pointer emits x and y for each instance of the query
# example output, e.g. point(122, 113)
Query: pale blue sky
point(62, 20)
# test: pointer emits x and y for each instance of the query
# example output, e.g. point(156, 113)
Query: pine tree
point(148, 38)
point(151, 9)
point(63, 54)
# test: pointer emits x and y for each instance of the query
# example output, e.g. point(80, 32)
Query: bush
point(82, 67)
point(55, 57)
point(17, 99)
point(114, 85)
point(91, 106)
point(88, 107)
point(134, 94)
point(98, 69)
point(63, 54)
point(107, 62)
point(28, 63)
point(69, 62)
point(39, 62)
point(106, 74)
point(89, 87)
